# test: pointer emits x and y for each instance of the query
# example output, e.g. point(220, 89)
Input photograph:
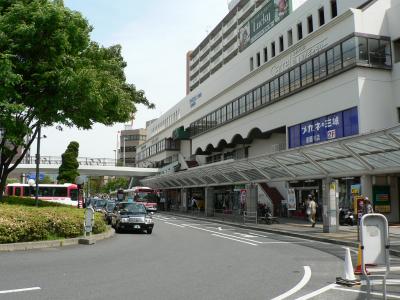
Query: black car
point(131, 216)
point(108, 211)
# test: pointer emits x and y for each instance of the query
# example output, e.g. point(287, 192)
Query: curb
point(284, 232)
point(53, 244)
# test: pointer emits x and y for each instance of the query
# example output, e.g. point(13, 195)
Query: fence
point(84, 161)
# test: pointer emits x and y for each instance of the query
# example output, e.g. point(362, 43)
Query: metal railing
point(84, 161)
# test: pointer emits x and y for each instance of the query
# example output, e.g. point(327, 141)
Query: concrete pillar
point(366, 186)
point(330, 205)
point(183, 200)
point(209, 201)
point(251, 197)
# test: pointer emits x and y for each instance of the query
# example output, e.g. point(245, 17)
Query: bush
point(24, 222)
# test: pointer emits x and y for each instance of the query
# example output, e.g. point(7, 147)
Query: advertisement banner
point(291, 200)
point(381, 198)
point(266, 18)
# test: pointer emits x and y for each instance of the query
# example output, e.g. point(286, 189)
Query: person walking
point(368, 206)
point(312, 209)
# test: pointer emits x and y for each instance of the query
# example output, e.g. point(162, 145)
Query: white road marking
point(174, 224)
point(379, 282)
point(297, 287)
point(20, 290)
point(317, 292)
point(364, 292)
point(233, 239)
point(245, 235)
point(351, 250)
point(219, 228)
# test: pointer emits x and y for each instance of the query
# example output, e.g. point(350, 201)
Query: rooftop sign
point(265, 19)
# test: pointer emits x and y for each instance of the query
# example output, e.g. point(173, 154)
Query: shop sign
point(355, 189)
point(193, 100)
point(265, 19)
point(330, 127)
point(291, 200)
point(359, 206)
point(381, 198)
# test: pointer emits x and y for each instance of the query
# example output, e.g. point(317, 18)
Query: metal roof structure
point(367, 154)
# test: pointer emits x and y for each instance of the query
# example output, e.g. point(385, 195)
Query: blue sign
point(193, 100)
point(33, 176)
point(330, 127)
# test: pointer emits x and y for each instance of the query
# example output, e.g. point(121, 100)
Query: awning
point(367, 154)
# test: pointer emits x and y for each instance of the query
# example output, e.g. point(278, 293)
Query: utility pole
point(37, 165)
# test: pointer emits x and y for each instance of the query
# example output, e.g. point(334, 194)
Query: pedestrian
point(312, 210)
point(368, 206)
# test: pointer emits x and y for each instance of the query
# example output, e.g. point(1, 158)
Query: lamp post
point(37, 165)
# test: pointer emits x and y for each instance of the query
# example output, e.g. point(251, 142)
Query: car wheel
point(149, 231)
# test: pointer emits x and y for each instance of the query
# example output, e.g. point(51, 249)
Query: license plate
point(136, 226)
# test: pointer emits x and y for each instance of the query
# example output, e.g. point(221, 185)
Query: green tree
point(46, 180)
point(114, 184)
point(68, 170)
point(52, 73)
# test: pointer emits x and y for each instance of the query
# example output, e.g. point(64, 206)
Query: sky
point(155, 36)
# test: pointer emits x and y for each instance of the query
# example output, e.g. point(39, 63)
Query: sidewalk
point(346, 235)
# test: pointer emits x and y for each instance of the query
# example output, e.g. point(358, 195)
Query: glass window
point(209, 123)
point(229, 111)
point(385, 46)
point(242, 105)
point(235, 109)
point(362, 53)
point(377, 50)
point(249, 101)
point(306, 73)
point(212, 123)
point(322, 65)
point(284, 84)
point(257, 97)
point(223, 114)
point(349, 52)
point(316, 67)
point(265, 93)
point(218, 117)
point(204, 124)
point(274, 87)
point(329, 58)
point(295, 79)
point(337, 57)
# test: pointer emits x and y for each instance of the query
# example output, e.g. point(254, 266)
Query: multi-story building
point(287, 100)
point(129, 140)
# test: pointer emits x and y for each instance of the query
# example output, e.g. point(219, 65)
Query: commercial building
point(287, 99)
point(129, 140)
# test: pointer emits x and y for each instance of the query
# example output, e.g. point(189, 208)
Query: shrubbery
point(21, 221)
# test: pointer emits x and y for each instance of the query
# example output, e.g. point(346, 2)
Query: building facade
point(129, 140)
point(287, 88)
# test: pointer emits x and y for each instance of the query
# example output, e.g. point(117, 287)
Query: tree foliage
point(68, 170)
point(52, 73)
point(115, 184)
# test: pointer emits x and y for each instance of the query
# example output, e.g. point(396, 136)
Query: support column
point(209, 201)
point(183, 200)
point(366, 186)
point(330, 205)
point(252, 197)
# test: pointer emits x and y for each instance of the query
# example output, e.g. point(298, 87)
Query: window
point(251, 64)
point(257, 97)
point(273, 49)
point(265, 54)
point(258, 59)
point(349, 52)
point(321, 16)
point(249, 101)
point(329, 59)
point(306, 73)
point(337, 56)
point(235, 109)
point(333, 8)
point(299, 31)
point(294, 79)
point(229, 111)
point(223, 114)
point(290, 38)
point(265, 93)
point(379, 52)
point(362, 53)
point(396, 50)
point(218, 117)
point(274, 86)
point(281, 43)
point(242, 104)
point(284, 84)
point(310, 24)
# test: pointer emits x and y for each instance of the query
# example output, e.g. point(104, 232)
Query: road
point(182, 259)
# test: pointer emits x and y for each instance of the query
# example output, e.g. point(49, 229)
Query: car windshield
point(100, 203)
point(131, 208)
point(110, 206)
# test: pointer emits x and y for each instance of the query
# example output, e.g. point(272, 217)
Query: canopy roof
point(373, 153)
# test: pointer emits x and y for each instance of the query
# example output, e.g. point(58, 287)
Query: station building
point(287, 99)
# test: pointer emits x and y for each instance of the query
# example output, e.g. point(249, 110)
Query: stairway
point(275, 197)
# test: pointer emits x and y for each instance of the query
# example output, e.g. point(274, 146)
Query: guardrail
point(56, 160)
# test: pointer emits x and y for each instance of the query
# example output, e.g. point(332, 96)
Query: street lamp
point(38, 163)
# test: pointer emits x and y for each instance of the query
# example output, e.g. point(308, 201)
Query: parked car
point(131, 216)
point(99, 204)
point(108, 211)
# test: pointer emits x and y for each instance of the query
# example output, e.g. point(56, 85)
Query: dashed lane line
point(174, 224)
point(20, 290)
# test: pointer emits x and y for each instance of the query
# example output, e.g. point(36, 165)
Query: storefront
point(302, 189)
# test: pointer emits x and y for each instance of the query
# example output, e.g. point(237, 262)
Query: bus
point(141, 194)
point(66, 193)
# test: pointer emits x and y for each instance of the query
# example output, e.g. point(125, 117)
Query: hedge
point(21, 221)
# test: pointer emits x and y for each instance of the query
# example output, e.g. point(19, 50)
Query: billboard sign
point(266, 18)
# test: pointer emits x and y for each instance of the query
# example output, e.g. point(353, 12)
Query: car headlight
point(125, 220)
point(148, 220)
